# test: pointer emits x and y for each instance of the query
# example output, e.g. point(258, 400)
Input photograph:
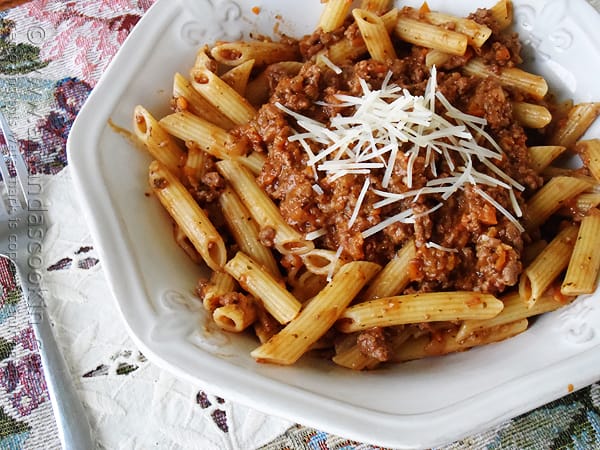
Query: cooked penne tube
point(394, 276)
point(586, 201)
point(219, 283)
point(424, 34)
point(265, 326)
point(197, 104)
point(584, 266)
point(188, 215)
point(158, 142)
point(436, 58)
point(317, 317)
point(263, 210)
point(349, 355)
point(334, 14)
point(376, 6)
point(551, 197)
point(445, 343)
point(195, 164)
point(375, 35)
point(590, 154)
point(234, 317)
point(526, 82)
point(245, 231)
point(531, 115)
point(417, 308)
point(539, 275)
point(307, 285)
point(578, 120)
point(553, 172)
point(353, 358)
point(345, 50)
point(254, 162)
point(502, 12)
point(257, 90)
point(476, 33)
point(183, 241)
point(262, 52)
point(222, 96)
point(208, 137)
point(542, 156)
point(514, 309)
point(321, 261)
point(282, 305)
point(237, 77)
point(531, 251)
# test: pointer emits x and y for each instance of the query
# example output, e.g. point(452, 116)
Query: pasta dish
point(381, 190)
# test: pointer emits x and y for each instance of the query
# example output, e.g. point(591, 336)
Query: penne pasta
point(514, 77)
point(551, 197)
point(349, 355)
point(262, 208)
point(222, 96)
point(238, 76)
point(424, 34)
point(377, 6)
point(445, 343)
point(539, 275)
point(234, 317)
point(531, 115)
point(321, 261)
point(590, 154)
point(195, 164)
point(245, 231)
point(197, 104)
point(258, 89)
point(282, 305)
point(185, 244)
point(584, 265)
point(334, 14)
point(287, 346)
point(477, 34)
point(585, 202)
point(573, 127)
point(307, 285)
point(206, 136)
point(265, 326)
point(515, 308)
point(502, 12)
point(219, 283)
point(436, 58)
point(394, 277)
point(157, 141)
point(345, 50)
point(418, 308)
point(542, 156)
point(253, 162)
point(262, 53)
point(374, 34)
point(188, 215)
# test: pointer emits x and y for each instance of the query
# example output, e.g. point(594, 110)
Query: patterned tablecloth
point(52, 53)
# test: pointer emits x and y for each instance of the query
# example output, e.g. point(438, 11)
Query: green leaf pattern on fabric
point(17, 58)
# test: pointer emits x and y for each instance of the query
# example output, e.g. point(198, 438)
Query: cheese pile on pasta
point(381, 190)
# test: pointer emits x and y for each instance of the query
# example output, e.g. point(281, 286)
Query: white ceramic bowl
point(417, 404)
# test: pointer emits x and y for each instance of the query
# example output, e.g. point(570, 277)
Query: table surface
point(52, 54)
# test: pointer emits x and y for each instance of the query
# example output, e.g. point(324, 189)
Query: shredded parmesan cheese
point(440, 247)
point(390, 122)
point(329, 63)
